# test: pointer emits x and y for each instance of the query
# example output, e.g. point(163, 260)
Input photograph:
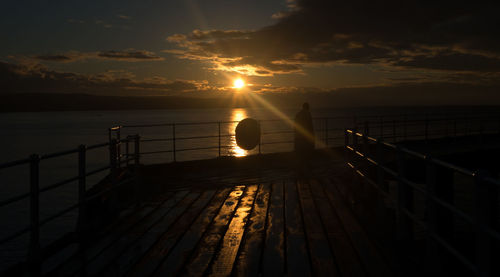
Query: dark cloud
point(437, 35)
point(16, 78)
point(54, 58)
point(130, 55)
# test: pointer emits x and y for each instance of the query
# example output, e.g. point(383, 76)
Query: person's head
point(305, 106)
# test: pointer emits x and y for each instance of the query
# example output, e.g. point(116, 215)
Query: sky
point(371, 52)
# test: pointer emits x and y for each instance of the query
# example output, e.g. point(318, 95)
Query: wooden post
point(218, 124)
point(137, 154)
point(484, 219)
point(173, 142)
point(34, 251)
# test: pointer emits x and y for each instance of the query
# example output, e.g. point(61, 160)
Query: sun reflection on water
point(237, 115)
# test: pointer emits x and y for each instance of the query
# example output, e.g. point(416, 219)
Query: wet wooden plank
point(124, 241)
point(138, 246)
point(322, 260)
point(273, 256)
point(344, 252)
point(248, 261)
point(225, 258)
point(152, 259)
point(178, 256)
point(374, 263)
point(298, 260)
point(112, 234)
point(207, 247)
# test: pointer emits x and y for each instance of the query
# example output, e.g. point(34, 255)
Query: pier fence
point(385, 168)
point(126, 150)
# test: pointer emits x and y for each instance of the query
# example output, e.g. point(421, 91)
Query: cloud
point(442, 36)
point(130, 55)
point(15, 78)
point(125, 17)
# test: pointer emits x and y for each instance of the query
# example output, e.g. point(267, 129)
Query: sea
point(196, 137)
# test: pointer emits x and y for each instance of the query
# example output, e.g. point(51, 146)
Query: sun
point(238, 83)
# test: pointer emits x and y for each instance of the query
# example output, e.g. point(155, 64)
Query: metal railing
point(329, 132)
point(368, 158)
point(36, 254)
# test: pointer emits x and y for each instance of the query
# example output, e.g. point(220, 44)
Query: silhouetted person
point(304, 133)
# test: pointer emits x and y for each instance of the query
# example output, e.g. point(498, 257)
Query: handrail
point(116, 146)
point(405, 185)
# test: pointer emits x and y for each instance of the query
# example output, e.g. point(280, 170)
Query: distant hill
point(38, 102)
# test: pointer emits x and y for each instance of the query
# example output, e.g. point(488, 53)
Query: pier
point(393, 196)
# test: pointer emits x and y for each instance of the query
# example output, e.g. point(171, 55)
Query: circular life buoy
point(248, 133)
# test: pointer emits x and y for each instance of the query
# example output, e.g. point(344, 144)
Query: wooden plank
point(225, 258)
point(345, 254)
point(152, 259)
point(138, 247)
point(322, 260)
point(207, 247)
point(298, 260)
point(178, 256)
point(273, 256)
point(108, 237)
point(124, 241)
point(248, 261)
point(374, 263)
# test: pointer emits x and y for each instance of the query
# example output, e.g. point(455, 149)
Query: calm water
point(22, 134)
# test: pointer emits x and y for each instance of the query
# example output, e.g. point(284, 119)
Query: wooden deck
point(272, 227)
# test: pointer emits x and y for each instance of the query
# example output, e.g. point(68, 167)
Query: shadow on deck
point(262, 221)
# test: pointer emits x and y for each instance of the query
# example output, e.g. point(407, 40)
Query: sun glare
point(238, 83)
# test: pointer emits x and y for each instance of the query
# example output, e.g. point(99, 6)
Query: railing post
point(326, 131)
point(137, 154)
point(455, 128)
point(405, 199)
point(484, 212)
point(127, 151)
point(355, 138)
point(432, 262)
point(173, 142)
point(82, 189)
point(218, 124)
point(346, 144)
point(380, 163)
point(405, 127)
point(113, 156)
point(381, 127)
point(34, 251)
point(426, 128)
point(394, 130)
point(260, 139)
point(367, 128)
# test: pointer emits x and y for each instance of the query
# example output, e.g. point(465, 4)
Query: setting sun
point(238, 83)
